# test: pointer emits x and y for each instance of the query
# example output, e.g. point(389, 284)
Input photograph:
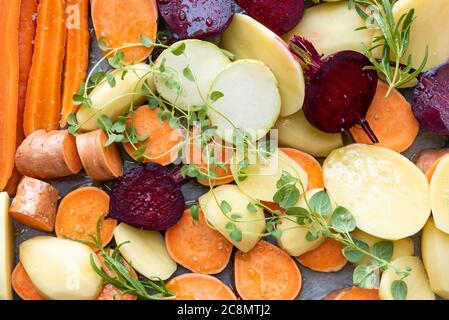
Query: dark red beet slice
point(431, 100)
point(148, 197)
point(196, 18)
point(279, 16)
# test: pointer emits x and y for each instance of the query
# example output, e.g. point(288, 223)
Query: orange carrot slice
point(77, 54)
point(79, 212)
point(22, 285)
point(99, 161)
point(43, 98)
point(194, 286)
point(328, 257)
point(353, 293)
point(196, 246)
point(9, 86)
point(162, 141)
point(112, 18)
point(384, 116)
point(266, 273)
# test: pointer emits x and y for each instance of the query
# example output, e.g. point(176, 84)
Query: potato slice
point(251, 224)
point(430, 19)
point(60, 269)
point(249, 39)
point(331, 28)
point(439, 195)
point(417, 282)
point(250, 100)
point(204, 59)
point(146, 251)
point(387, 194)
point(115, 101)
point(263, 174)
point(6, 248)
point(296, 132)
point(293, 237)
point(402, 247)
point(435, 253)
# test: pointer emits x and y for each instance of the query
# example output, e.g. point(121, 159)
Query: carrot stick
point(266, 273)
point(43, 98)
point(27, 31)
point(48, 155)
point(194, 286)
point(391, 119)
point(353, 293)
point(79, 212)
point(161, 140)
point(35, 204)
point(9, 86)
point(112, 18)
point(328, 257)
point(76, 56)
point(197, 247)
point(22, 285)
point(99, 161)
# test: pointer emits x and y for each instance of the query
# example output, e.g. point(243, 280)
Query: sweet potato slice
point(22, 285)
point(328, 257)
point(353, 293)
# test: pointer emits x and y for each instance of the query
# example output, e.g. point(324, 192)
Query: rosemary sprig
point(393, 41)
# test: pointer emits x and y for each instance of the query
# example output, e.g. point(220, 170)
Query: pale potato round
point(402, 247)
point(417, 282)
point(387, 194)
point(60, 269)
point(203, 58)
point(146, 251)
point(249, 39)
point(331, 28)
point(439, 195)
point(435, 253)
point(252, 224)
point(296, 132)
point(293, 238)
point(264, 174)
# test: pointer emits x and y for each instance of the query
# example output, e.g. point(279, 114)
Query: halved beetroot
point(196, 18)
point(279, 16)
point(148, 196)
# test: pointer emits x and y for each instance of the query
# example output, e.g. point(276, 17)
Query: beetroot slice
point(147, 197)
point(431, 100)
point(196, 18)
point(279, 16)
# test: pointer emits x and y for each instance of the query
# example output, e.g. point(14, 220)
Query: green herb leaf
point(225, 207)
point(140, 152)
point(399, 290)
point(364, 277)
point(214, 96)
point(111, 79)
point(188, 74)
point(383, 250)
point(321, 203)
point(146, 41)
point(236, 234)
point(117, 60)
point(102, 44)
point(177, 51)
point(342, 220)
point(251, 207)
point(194, 212)
point(354, 255)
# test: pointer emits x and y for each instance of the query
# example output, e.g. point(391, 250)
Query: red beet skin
point(147, 197)
point(279, 16)
point(196, 18)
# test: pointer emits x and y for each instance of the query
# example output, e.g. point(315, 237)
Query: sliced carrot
point(77, 54)
point(431, 170)
point(266, 273)
point(9, 86)
point(110, 292)
point(391, 119)
point(161, 140)
point(43, 98)
point(112, 19)
point(48, 155)
point(354, 293)
point(27, 31)
point(196, 246)
point(22, 285)
point(328, 257)
point(99, 161)
point(79, 212)
point(195, 286)
point(35, 204)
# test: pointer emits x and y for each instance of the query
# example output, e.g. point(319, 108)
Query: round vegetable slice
point(184, 78)
point(244, 85)
point(22, 284)
point(328, 257)
point(266, 273)
point(353, 293)
point(387, 194)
